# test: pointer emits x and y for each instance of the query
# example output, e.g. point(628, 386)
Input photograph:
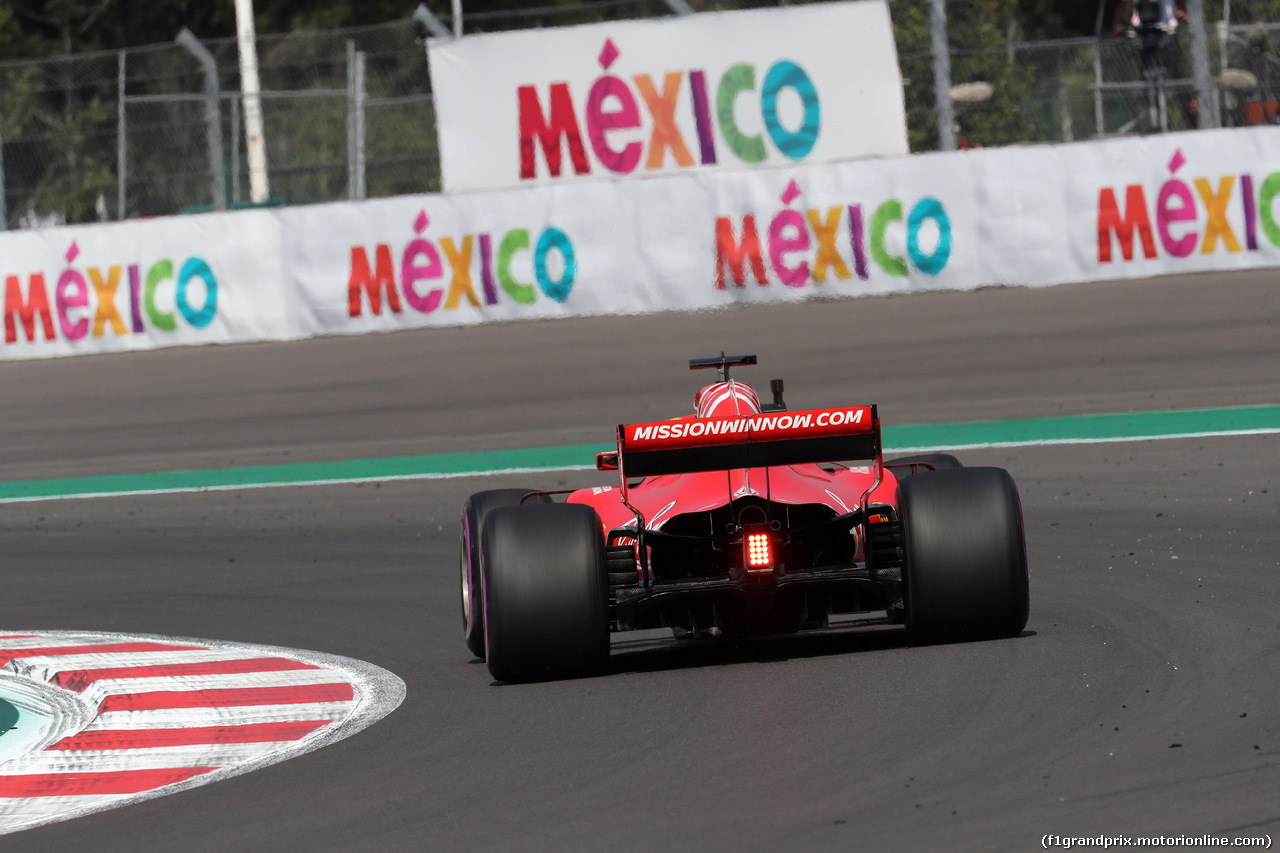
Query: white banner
point(1020, 216)
point(1167, 204)
point(685, 242)
point(712, 91)
point(214, 278)
point(1128, 208)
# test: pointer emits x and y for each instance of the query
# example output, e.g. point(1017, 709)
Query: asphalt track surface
point(1142, 698)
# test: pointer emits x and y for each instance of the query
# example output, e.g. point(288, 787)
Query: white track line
point(1049, 442)
point(502, 472)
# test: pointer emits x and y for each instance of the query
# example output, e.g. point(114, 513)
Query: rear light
point(759, 552)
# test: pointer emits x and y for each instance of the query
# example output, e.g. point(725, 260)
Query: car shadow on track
point(658, 651)
point(659, 654)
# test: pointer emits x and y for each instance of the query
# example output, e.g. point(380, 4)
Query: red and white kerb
point(158, 715)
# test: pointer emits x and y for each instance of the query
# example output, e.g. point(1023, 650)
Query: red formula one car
point(742, 519)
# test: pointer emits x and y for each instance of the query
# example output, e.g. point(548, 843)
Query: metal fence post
point(356, 97)
point(235, 149)
point(942, 75)
point(422, 16)
point(250, 86)
point(361, 97)
point(1099, 120)
point(1206, 92)
point(1064, 113)
point(4, 211)
point(122, 159)
point(353, 141)
point(212, 115)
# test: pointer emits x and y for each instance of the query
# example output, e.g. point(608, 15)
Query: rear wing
point(715, 444)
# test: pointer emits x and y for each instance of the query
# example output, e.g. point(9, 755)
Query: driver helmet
point(726, 399)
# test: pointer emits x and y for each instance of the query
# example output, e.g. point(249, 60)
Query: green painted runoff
point(8, 716)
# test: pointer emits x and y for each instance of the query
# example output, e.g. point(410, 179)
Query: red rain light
point(758, 554)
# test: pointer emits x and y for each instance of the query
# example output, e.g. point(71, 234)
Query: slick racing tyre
point(545, 597)
point(473, 513)
point(965, 562)
point(939, 461)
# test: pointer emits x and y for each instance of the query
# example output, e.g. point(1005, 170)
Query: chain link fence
point(124, 134)
point(348, 113)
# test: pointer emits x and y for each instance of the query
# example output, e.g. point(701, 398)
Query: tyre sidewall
point(544, 591)
point(470, 581)
point(965, 572)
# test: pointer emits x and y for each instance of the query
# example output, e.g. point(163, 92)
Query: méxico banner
point(1036, 215)
point(213, 278)
point(713, 91)
point(684, 242)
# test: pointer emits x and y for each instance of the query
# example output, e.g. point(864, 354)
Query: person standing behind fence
point(1129, 15)
point(1156, 23)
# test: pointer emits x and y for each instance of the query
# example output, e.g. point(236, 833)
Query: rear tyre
point(545, 597)
point(965, 561)
point(939, 461)
point(473, 513)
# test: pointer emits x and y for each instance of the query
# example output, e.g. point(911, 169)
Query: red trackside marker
point(149, 738)
point(80, 784)
point(7, 655)
point(227, 698)
point(79, 679)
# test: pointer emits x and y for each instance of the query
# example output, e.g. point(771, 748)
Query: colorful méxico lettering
point(1178, 213)
point(87, 302)
point(420, 264)
point(611, 105)
point(806, 246)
